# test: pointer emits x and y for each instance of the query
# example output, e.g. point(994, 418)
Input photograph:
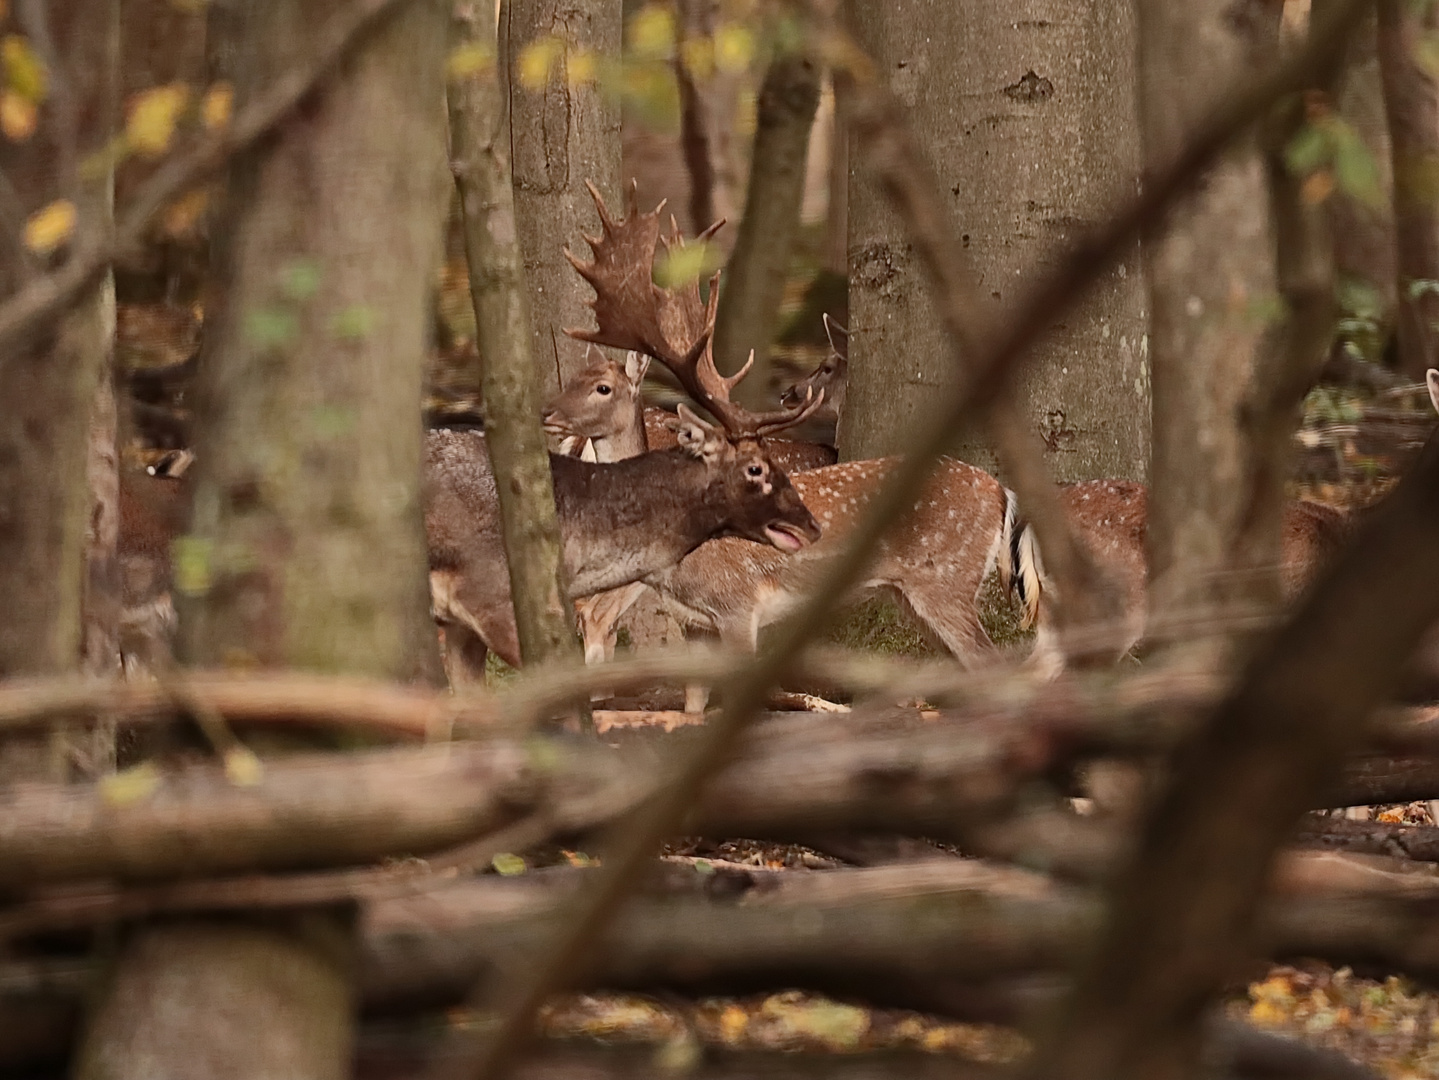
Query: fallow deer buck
point(636, 517)
point(619, 522)
point(936, 560)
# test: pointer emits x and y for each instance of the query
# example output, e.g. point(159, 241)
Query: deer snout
point(795, 528)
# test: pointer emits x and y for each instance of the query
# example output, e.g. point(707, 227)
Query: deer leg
point(950, 613)
point(465, 656)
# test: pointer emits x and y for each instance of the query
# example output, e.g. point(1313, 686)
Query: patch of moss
point(497, 671)
point(999, 615)
point(880, 624)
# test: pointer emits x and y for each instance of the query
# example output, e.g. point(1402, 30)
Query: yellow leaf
point(152, 118)
point(24, 73)
point(507, 864)
point(18, 116)
point(536, 59)
point(734, 48)
point(242, 767)
point(50, 226)
point(652, 31)
point(580, 66)
point(698, 56)
point(1265, 1013)
point(1317, 187)
point(468, 61)
point(130, 785)
point(185, 213)
point(733, 1023)
point(215, 109)
point(746, 112)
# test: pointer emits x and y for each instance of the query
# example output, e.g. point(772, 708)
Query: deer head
point(831, 377)
point(673, 325)
point(603, 404)
point(761, 503)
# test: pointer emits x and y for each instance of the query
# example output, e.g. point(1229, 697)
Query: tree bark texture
point(49, 385)
point(561, 135)
point(996, 94)
point(1411, 102)
point(46, 392)
point(1213, 535)
point(479, 150)
point(754, 279)
point(307, 546)
point(226, 1000)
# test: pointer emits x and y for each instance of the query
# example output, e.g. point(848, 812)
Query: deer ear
point(636, 364)
point(1431, 377)
point(838, 336)
point(699, 439)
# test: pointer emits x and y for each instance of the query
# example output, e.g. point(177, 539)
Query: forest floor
point(1347, 451)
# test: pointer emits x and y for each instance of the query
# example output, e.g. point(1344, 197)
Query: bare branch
point(28, 311)
point(991, 369)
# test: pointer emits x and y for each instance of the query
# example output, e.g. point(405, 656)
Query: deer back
point(936, 558)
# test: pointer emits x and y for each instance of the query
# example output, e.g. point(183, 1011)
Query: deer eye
point(603, 390)
point(755, 470)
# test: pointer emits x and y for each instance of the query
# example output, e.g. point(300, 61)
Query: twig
point(991, 368)
point(44, 299)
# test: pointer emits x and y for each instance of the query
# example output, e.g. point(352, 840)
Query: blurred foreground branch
point(48, 296)
point(990, 369)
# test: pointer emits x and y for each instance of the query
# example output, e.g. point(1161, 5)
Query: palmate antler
point(672, 325)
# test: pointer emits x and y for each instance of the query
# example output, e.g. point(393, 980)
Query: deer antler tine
point(605, 220)
point(708, 233)
point(769, 423)
point(731, 381)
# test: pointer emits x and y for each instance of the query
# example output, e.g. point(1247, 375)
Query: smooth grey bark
point(1213, 537)
point(997, 94)
point(49, 385)
point(1411, 103)
point(561, 136)
point(753, 284)
point(308, 544)
point(479, 149)
point(307, 547)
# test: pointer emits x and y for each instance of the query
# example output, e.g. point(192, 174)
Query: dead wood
point(1417, 842)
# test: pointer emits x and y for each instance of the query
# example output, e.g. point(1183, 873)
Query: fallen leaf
point(129, 786)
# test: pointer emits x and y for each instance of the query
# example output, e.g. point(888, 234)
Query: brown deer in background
point(935, 561)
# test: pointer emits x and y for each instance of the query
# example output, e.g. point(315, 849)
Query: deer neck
point(627, 520)
point(628, 442)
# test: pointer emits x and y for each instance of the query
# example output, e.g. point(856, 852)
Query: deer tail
point(1020, 568)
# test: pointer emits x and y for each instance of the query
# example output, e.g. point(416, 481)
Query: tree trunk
point(47, 388)
point(479, 148)
point(753, 284)
point(561, 136)
point(307, 547)
point(1364, 240)
point(997, 96)
point(1213, 534)
point(1411, 101)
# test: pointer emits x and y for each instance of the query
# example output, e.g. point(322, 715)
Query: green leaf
point(1422, 287)
point(1355, 168)
point(681, 265)
point(193, 559)
point(354, 323)
point(272, 327)
point(300, 279)
point(1307, 151)
point(333, 420)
